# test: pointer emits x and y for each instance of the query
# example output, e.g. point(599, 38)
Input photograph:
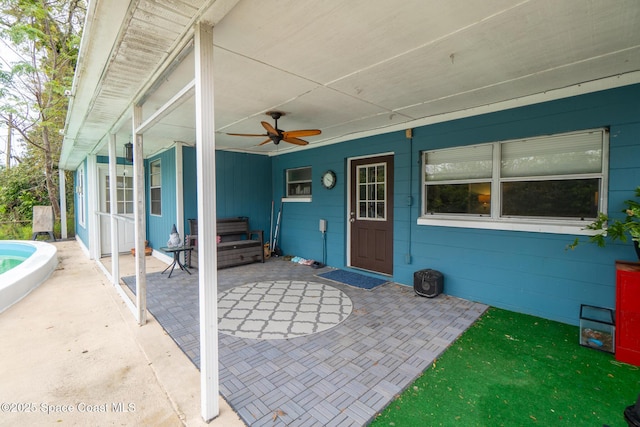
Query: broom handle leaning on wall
point(275, 239)
point(271, 230)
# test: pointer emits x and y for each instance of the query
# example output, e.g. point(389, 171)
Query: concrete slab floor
point(73, 354)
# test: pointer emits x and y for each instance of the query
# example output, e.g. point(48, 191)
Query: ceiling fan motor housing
point(275, 115)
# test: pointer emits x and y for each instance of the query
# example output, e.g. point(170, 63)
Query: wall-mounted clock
point(329, 179)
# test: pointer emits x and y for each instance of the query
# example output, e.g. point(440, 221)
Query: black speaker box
point(428, 283)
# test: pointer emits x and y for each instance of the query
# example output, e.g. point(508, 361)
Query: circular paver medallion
point(281, 309)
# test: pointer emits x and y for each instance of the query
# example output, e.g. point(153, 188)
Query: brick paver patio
point(342, 376)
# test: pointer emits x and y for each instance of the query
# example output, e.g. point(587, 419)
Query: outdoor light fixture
point(128, 152)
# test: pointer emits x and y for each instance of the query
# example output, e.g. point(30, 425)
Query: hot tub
point(40, 261)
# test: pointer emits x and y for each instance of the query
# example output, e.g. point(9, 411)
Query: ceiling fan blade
point(266, 141)
point(270, 129)
point(297, 141)
point(247, 134)
point(304, 132)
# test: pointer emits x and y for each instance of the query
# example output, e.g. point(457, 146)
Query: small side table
point(176, 257)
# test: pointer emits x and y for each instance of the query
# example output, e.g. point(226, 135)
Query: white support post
point(63, 203)
point(180, 191)
point(139, 213)
point(93, 202)
point(113, 210)
point(207, 264)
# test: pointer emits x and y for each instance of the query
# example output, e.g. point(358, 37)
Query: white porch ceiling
point(349, 68)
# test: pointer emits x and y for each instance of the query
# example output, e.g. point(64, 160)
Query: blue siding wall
point(190, 181)
point(521, 271)
point(105, 160)
point(243, 187)
point(159, 226)
point(299, 233)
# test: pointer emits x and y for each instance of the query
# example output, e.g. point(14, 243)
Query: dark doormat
point(353, 279)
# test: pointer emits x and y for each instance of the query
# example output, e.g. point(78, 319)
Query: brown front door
point(371, 214)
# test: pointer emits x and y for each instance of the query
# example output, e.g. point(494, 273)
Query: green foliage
point(45, 37)
point(606, 228)
point(15, 231)
point(21, 188)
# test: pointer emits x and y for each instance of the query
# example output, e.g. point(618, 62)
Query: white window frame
point(494, 221)
point(80, 191)
point(289, 197)
point(152, 187)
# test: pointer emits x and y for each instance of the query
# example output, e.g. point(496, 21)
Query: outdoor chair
point(191, 239)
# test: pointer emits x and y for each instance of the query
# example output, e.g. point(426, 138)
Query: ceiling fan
point(276, 135)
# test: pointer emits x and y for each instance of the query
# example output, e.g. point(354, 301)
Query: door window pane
point(124, 194)
point(372, 192)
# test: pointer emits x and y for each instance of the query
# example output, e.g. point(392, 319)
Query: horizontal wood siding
point(526, 272)
point(190, 185)
point(243, 187)
point(300, 233)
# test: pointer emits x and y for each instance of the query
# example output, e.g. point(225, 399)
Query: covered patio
point(387, 86)
point(343, 375)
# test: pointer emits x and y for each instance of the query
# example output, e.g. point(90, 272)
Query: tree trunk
point(52, 189)
point(9, 133)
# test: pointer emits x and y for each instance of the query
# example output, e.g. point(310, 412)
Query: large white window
point(554, 183)
point(155, 180)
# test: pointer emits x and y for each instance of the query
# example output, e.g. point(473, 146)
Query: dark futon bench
point(238, 245)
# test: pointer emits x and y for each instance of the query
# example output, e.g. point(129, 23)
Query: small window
point(155, 184)
point(299, 182)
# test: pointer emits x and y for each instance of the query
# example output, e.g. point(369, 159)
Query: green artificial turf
point(511, 369)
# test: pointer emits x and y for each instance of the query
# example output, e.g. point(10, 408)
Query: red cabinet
point(628, 312)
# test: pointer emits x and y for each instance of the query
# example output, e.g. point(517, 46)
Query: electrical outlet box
point(323, 225)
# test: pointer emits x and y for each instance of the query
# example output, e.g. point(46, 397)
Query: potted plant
point(617, 229)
